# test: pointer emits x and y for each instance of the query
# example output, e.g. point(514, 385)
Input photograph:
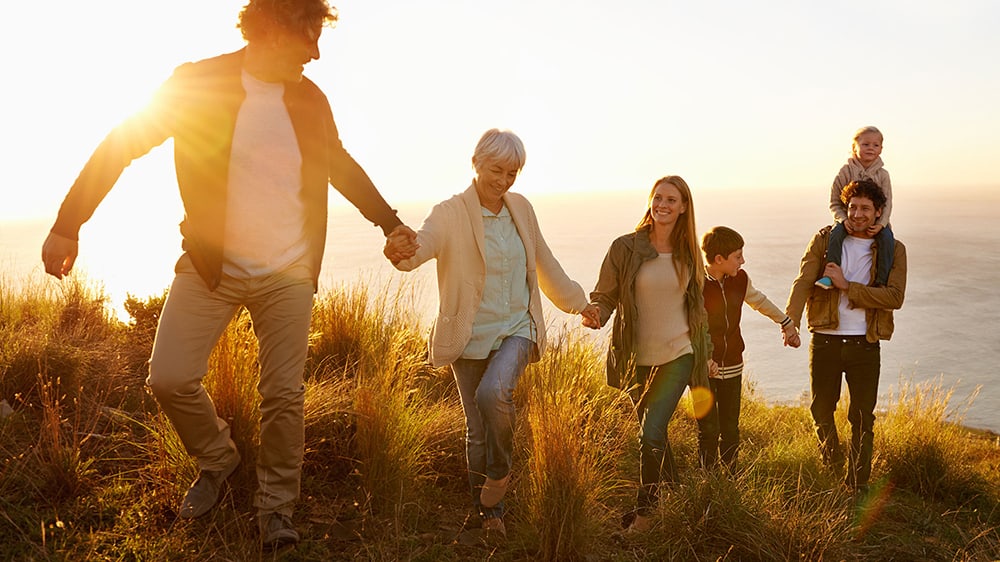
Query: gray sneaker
point(276, 530)
point(204, 493)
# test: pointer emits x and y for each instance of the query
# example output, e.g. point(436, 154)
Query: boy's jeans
point(727, 395)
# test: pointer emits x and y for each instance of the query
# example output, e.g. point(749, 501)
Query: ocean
point(946, 333)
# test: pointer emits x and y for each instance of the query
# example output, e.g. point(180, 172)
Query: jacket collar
point(475, 216)
point(642, 245)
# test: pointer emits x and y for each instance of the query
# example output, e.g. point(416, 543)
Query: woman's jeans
point(486, 387)
point(656, 394)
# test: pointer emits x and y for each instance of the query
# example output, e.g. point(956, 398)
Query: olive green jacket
point(615, 293)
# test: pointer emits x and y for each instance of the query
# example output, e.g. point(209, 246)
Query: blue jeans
point(656, 394)
point(859, 362)
point(486, 387)
point(885, 244)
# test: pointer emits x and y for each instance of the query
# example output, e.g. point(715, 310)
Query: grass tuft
point(573, 446)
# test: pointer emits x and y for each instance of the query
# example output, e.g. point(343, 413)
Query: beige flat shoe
point(493, 491)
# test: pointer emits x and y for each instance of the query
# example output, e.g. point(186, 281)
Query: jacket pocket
point(884, 324)
point(443, 334)
point(820, 309)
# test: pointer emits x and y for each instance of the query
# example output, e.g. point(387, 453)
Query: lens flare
point(701, 401)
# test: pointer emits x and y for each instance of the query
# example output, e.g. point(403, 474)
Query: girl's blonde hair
point(864, 131)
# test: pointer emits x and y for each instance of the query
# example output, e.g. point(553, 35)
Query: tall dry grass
point(924, 450)
point(403, 423)
point(90, 469)
point(573, 439)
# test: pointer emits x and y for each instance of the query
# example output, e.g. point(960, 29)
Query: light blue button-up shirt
point(503, 311)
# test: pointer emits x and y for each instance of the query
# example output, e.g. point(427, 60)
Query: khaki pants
point(192, 321)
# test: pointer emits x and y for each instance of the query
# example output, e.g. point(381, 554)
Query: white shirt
point(265, 213)
point(856, 263)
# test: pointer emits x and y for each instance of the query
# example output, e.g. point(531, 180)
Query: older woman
point(491, 263)
point(652, 280)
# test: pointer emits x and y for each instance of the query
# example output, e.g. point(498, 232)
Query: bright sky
point(606, 95)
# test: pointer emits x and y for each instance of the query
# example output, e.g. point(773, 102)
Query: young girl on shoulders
point(865, 163)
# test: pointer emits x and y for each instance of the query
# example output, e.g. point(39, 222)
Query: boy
point(727, 287)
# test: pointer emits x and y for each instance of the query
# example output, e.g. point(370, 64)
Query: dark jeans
point(885, 243)
point(859, 361)
point(724, 422)
point(656, 394)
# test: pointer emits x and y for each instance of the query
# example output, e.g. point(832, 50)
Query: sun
point(97, 64)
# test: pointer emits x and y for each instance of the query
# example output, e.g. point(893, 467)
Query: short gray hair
point(498, 146)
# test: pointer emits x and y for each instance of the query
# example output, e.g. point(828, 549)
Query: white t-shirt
point(857, 266)
point(265, 213)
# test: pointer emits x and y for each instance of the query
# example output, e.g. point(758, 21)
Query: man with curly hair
point(847, 325)
point(255, 147)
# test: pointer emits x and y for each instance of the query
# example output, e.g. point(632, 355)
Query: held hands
point(713, 368)
point(591, 316)
point(836, 275)
point(59, 254)
point(790, 336)
point(401, 244)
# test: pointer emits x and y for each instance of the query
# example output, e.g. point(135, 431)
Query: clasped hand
point(591, 316)
point(401, 244)
point(790, 336)
point(836, 275)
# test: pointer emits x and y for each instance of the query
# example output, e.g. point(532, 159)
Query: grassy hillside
point(90, 469)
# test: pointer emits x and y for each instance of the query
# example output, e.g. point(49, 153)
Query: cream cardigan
point(453, 234)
